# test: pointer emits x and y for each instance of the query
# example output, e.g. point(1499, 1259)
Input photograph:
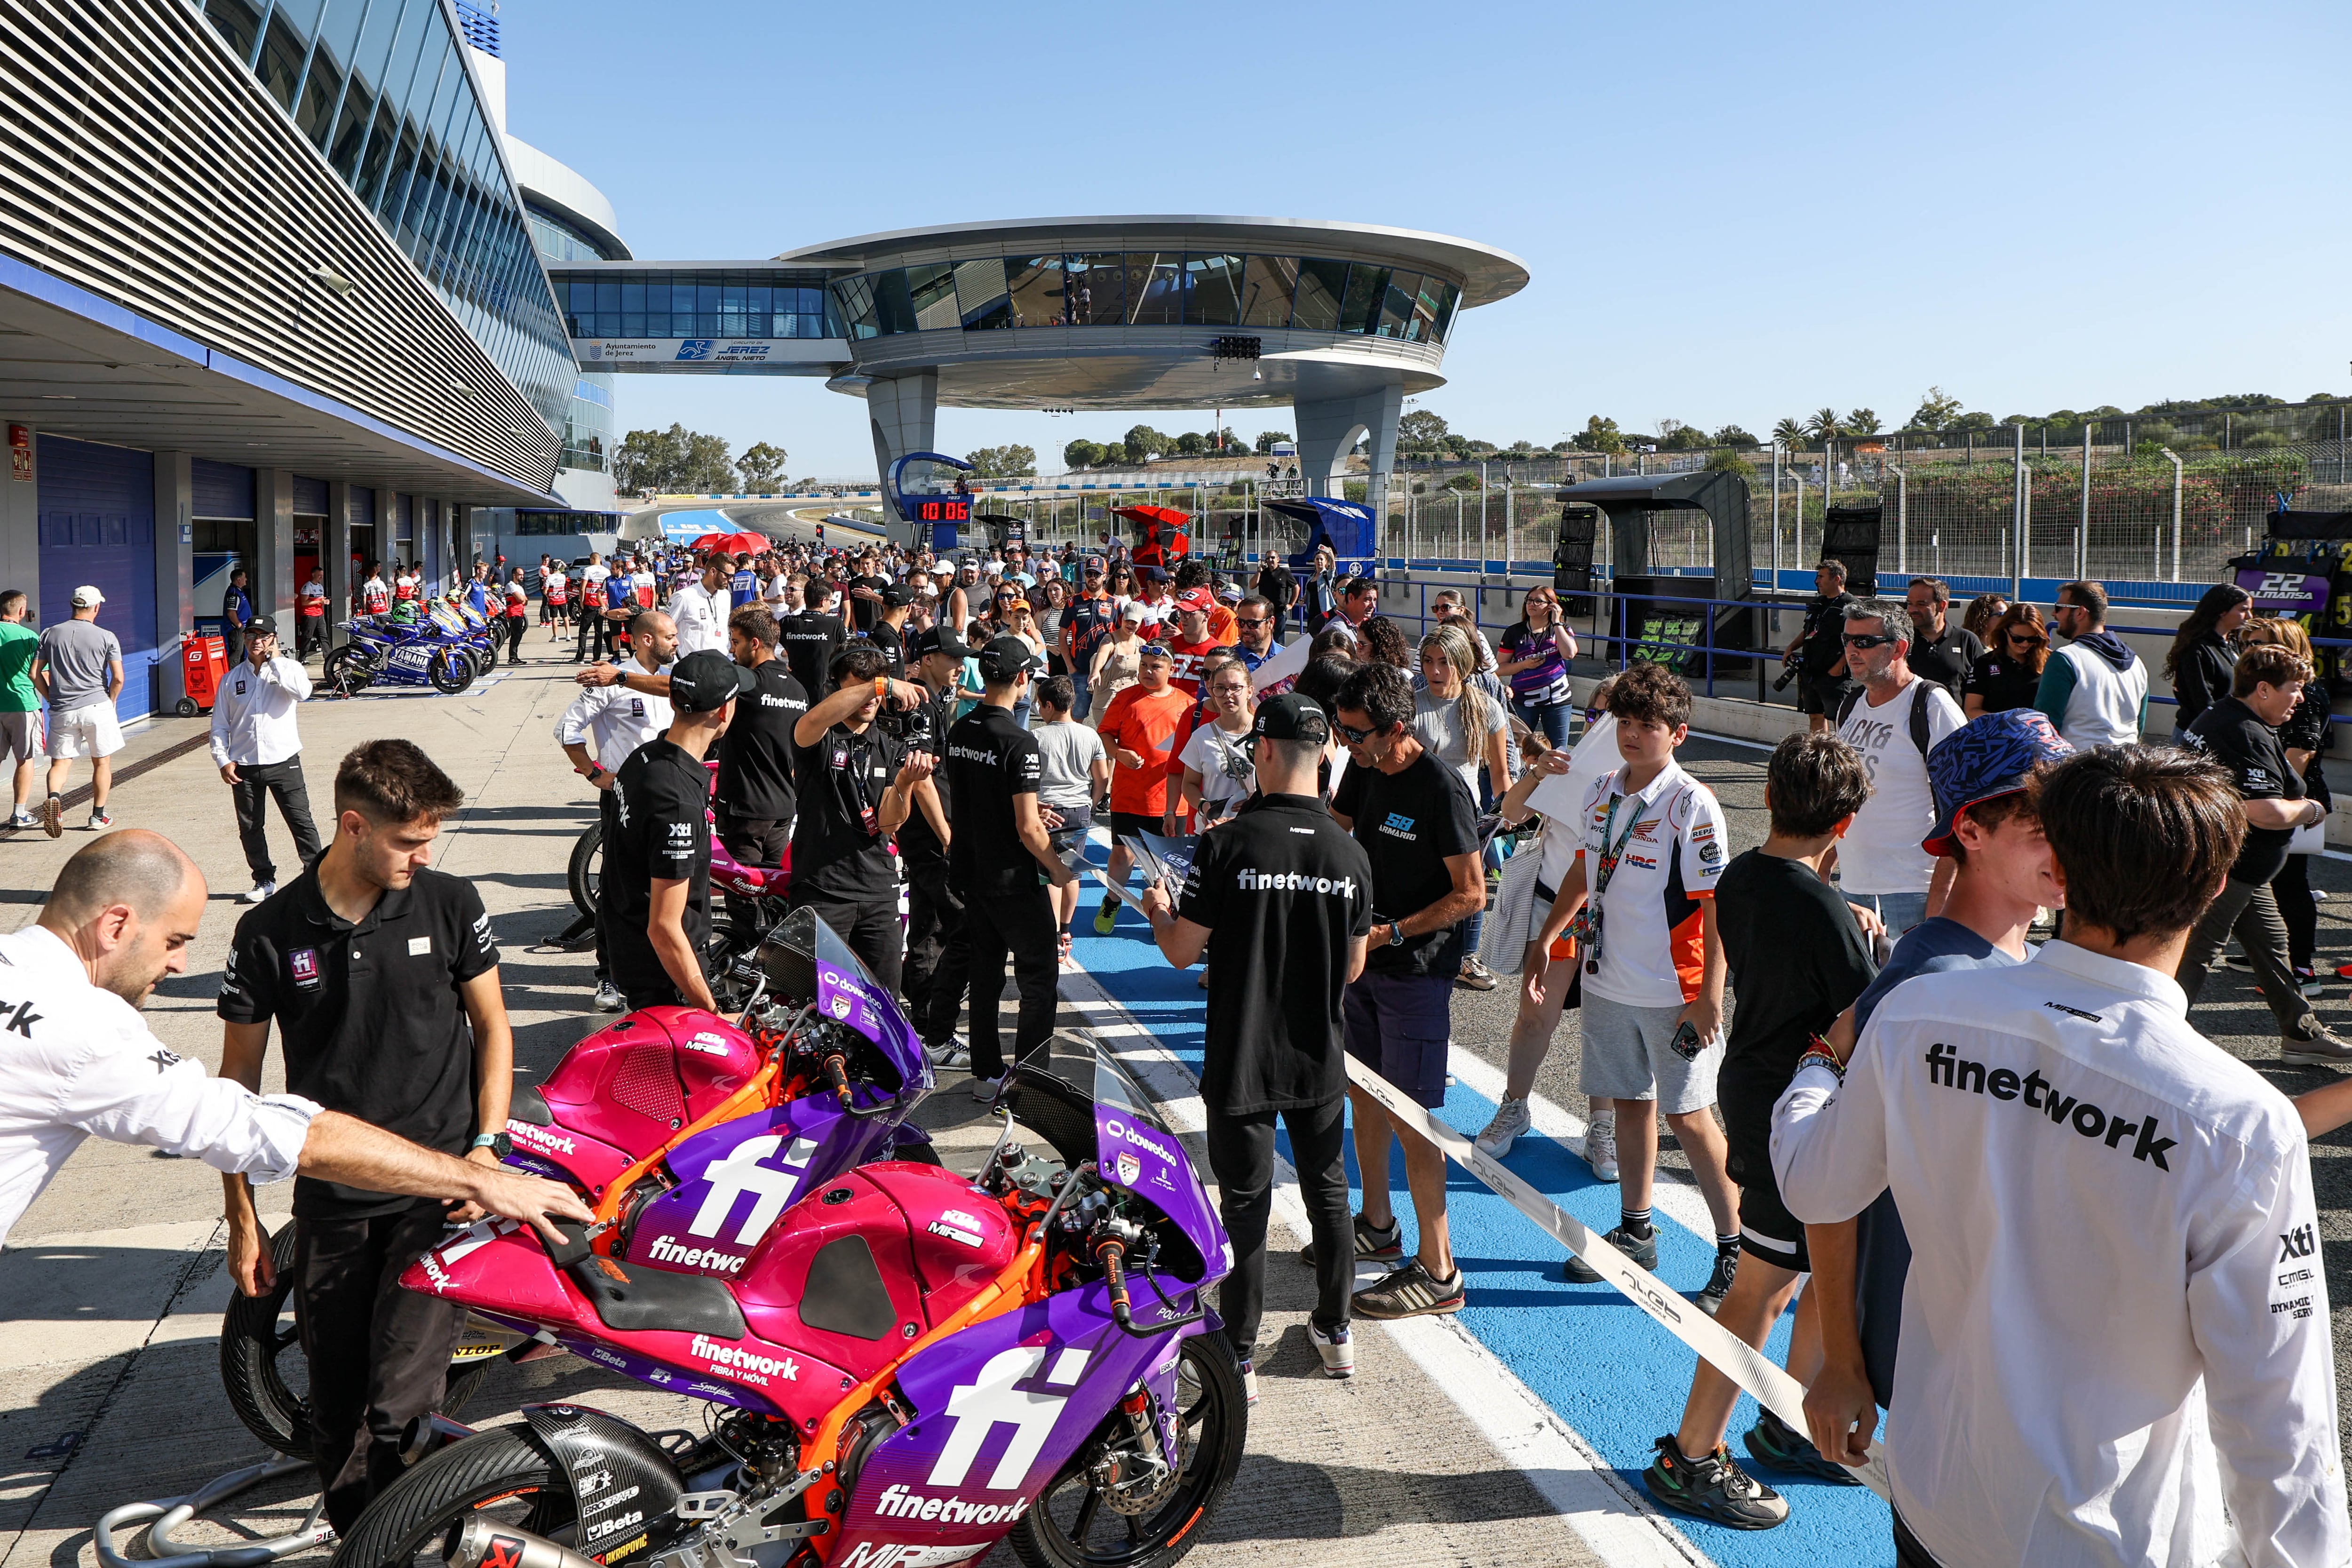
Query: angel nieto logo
point(1129, 1168)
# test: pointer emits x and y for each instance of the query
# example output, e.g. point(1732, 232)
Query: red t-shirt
point(1153, 723)
point(1189, 655)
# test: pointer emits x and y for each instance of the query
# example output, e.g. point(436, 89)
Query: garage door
point(98, 526)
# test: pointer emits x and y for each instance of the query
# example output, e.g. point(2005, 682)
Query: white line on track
point(1582, 1487)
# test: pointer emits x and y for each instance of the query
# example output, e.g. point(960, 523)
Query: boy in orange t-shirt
point(1141, 729)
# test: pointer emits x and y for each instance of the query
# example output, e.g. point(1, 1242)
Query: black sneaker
point(1718, 1284)
point(1713, 1487)
point(1410, 1291)
point(1576, 1271)
point(1777, 1445)
point(1380, 1246)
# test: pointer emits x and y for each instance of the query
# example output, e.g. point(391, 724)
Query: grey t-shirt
point(1438, 723)
point(1070, 751)
point(79, 655)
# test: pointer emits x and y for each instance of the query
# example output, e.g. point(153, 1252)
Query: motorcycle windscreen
point(806, 962)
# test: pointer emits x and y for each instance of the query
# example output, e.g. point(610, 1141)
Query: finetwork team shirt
point(1653, 936)
point(839, 849)
point(809, 641)
point(368, 1015)
point(755, 754)
point(2116, 1274)
point(2235, 736)
point(1286, 890)
point(1880, 853)
point(1410, 823)
point(991, 760)
point(660, 799)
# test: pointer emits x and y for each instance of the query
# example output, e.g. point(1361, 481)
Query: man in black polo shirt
point(855, 782)
point(938, 951)
point(1002, 862)
point(889, 631)
point(811, 638)
point(1819, 649)
point(383, 979)
point(1289, 894)
point(655, 890)
point(755, 756)
point(1941, 653)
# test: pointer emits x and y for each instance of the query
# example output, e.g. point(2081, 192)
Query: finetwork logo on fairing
point(732, 1360)
point(991, 1399)
point(539, 1138)
point(670, 1249)
point(898, 1502)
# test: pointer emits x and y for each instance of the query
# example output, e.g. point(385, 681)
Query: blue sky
point(1730, 213)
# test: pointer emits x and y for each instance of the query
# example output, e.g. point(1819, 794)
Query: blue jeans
point(1549, 720)
point(1080, 701)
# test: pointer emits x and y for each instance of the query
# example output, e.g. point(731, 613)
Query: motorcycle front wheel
point(1073, 1525)
point(413, 1522)
point(268, 1379)
point(449, 672)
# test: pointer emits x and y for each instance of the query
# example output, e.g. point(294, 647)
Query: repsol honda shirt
point(2115, 1272)
point(1653, 941)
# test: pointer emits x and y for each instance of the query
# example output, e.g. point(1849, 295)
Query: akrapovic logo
point(1251, 880)
point(1946, 1070)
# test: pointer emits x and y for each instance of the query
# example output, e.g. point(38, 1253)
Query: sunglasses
point(1866, 640)
point(2018, 639)
point(1240, 621)
point(1356, 736)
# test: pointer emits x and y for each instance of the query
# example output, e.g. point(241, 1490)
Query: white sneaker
point(951, 1055)
point(984, 1089)
point(100, 820)
point(1249, 1383)
point(1511, 1119)
point(1601, 1146)
point(24, 819)
point(1338, 1350)
point(259, 891)
point(608, 997)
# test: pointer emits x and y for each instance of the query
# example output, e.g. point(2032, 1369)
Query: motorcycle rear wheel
point(349, 669)
point(586, 873)
point(414, 1521)
point(1070, 1528)
point(260, 1350)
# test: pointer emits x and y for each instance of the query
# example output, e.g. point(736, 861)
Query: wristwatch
point(497, 1144)
point(1396, 933)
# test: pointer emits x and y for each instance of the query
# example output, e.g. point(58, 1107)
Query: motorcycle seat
point(630, 1298)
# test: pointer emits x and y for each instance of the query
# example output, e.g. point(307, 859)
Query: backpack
point(1918, 713)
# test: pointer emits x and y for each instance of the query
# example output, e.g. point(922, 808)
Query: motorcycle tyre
point(587, 868)
point(729, 939)
point(1211, 1358)
point(250, 1350)
point(448, 672)
point(438, 1494)
point(349, 669)
point(489, 654)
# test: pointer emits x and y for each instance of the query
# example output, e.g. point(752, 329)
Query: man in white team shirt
point(608, 720)
point(699, 609)
point(1894, 720)
point(79, 1062)
point(2116, 1319)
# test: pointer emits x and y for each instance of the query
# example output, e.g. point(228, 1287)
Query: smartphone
point(1686, 1043)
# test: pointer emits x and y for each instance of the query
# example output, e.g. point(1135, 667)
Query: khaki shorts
point(90, 731)
point(21, 736)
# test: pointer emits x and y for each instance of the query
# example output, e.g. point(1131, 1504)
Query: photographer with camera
point(855, 782)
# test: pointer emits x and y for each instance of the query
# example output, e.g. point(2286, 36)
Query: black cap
point(1091, 566)
point(1151, 574)
point(897, 596)
point(1290, 717)
point(941, 639)
point(261, 627)
point(706, 681)
point(1005, 657)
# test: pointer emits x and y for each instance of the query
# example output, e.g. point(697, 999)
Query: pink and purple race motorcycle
point(903, 1365)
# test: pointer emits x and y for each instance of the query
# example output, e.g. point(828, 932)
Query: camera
point(1788, 668)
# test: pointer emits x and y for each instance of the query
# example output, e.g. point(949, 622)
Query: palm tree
point(1789, 433)
point(1824, 426)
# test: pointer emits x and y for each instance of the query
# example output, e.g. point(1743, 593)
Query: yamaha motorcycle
point(901, 1366)
point(628, 1115)
point(421, 654)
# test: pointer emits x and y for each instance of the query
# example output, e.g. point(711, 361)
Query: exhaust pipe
point(483, 1543)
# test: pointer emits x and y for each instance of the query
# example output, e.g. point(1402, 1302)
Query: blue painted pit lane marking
point(1595, 1359)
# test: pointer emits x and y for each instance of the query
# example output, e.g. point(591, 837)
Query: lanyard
point(1586, 927)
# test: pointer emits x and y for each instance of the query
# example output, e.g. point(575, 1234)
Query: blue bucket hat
point(1983, 760)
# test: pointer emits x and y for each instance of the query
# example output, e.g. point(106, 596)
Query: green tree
point(762, 466)
point(1936, 411)
point(1002, 462)
point(707, 468)
point(1862, 422)
point(1674, 435)
point(1267, 438)
point(1600, 435)
point(1789, 433)
point(1973, 421)
point(1731, 463)
point(648, 462)
point(1083, 454)
point(1733, 436)
point(1824, 425)
point(1192, 444)
point(1419, 429)
point(1144, 443)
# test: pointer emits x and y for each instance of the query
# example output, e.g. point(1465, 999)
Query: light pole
point(1902, 519)
point(2176, 516)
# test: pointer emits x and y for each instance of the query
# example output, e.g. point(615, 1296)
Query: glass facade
point(379, 88)
point(588, 424)
point(558, 241)
point(1143, 289)
point(714, 305)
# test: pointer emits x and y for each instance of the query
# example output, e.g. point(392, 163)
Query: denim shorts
point(1400, 1025)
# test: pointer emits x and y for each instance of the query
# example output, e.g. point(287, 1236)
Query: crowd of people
point(2098, 1331)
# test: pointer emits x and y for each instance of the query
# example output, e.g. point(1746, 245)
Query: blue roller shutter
point(98, 526)
point(222, 490)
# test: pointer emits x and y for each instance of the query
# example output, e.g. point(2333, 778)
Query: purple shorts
point(1399, 1025)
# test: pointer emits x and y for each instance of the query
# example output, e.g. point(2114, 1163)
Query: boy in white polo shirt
point(1653, 966)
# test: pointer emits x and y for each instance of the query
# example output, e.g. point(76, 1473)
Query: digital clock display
point(944, 511)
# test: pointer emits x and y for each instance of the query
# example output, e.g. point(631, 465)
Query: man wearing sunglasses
point(1091, 620)
point(1253, 620)
point(1940, 651)
point(1894, 720)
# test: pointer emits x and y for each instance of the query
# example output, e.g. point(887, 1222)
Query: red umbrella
point(741, 543)
point(707, 542)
